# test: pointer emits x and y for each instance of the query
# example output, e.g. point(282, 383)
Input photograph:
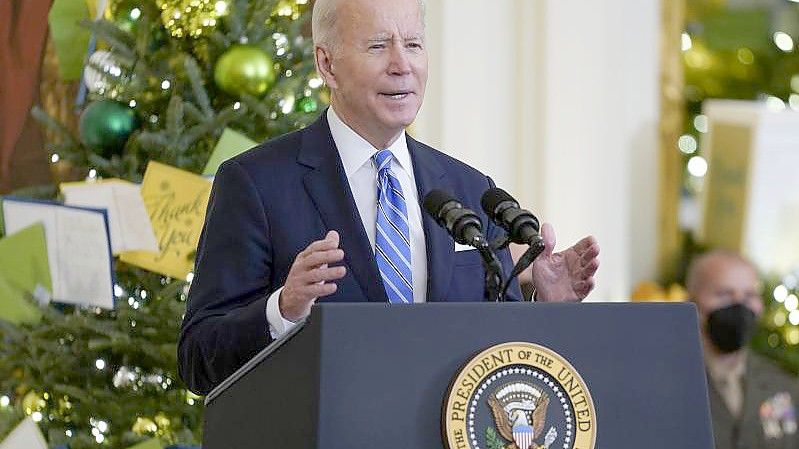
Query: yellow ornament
point(32, 402)
point(162, 421)
point(287, 8)
point(189, 18)
point(64, 405)
point(648, 291)
point(144, 426)
point(677, 293)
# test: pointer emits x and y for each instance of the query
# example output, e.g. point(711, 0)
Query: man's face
point(379, 65)
point(726, 282)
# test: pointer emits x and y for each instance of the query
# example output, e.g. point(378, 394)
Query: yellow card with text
point(176, 201)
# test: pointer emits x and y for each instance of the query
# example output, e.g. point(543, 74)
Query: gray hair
point(323, 21)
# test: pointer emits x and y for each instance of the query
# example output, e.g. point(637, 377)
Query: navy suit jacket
point(269, 204)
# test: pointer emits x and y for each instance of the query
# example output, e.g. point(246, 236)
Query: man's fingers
point(587, 244)
point(583, 288)
point(590, 268)
point(325, 274)
point(548, 235)
point(320, 290)
point(331, 241)
point(592, 252)
point(333, 237)
point(318, 258)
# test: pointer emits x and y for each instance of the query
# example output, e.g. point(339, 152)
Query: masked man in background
point(752, 401)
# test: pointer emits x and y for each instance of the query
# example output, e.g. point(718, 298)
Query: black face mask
point(730, 328)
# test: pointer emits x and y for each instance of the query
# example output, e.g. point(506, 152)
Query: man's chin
point(401, 120)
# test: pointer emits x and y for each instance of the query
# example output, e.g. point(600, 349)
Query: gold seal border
point(455, 411)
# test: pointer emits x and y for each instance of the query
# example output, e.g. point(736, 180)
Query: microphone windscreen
point(435, 200)
point(493, 198)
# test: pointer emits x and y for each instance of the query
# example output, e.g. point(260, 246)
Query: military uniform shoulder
point(771, 370)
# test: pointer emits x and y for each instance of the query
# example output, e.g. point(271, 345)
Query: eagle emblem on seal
point(520, 413)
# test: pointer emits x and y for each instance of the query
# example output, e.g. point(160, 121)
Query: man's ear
point(324, 65)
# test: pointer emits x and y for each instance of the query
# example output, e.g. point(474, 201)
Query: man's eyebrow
point(387, 38)
point(380, 38)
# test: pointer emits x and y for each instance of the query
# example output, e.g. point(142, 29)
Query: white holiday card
point(128, 220)
point(78, 248)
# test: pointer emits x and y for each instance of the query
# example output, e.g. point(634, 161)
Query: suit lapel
point(439, 245)
point(327, 185)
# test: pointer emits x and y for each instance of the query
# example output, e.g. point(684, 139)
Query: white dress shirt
point(356, 156)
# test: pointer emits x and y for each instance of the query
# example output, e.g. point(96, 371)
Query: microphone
point(466, 228)
point(462, 224)
point(521, 225)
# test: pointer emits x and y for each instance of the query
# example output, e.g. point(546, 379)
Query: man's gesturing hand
point(310, 276)
point(567, 275)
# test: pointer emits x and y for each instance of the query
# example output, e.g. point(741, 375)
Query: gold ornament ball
point(188, 18)
point(245, 69)
point(144, 426)
point(32, 402)
point(64, 406)
point(162, 421)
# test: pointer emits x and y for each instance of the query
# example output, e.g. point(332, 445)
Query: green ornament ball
point(307, 105)
point(106, 125)
point(245, 69)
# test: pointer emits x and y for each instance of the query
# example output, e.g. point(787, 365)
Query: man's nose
point(400, 63)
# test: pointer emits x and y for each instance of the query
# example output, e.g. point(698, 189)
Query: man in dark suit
point(332, 212)
point(752, 400)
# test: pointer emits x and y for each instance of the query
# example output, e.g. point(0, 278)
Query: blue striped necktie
point(392, 236)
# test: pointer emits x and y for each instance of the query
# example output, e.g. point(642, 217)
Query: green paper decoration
point(232, 143)
point(71, 40)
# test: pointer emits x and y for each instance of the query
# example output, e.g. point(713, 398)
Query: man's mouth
point(396, 95)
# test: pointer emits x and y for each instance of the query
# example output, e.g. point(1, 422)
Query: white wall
point(557, 100)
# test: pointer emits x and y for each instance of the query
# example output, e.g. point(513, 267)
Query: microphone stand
point(536, 247)
point(494, 281)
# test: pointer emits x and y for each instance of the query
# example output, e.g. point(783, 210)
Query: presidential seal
point(518, 396)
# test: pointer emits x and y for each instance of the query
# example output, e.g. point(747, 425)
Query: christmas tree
point(165, 79)
point(746, 51)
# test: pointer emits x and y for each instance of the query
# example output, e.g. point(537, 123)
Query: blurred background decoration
point(739, 136)
point(115, 84)
point(124, 83)
point(739, 157)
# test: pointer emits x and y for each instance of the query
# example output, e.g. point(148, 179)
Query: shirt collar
point(723, 372)
point(355, 151)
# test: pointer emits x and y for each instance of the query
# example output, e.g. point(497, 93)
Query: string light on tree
point(697, 166)
point(783, 41)
point(687, 144)
point(701, 123)
point(780, 293)
point(687, 43)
